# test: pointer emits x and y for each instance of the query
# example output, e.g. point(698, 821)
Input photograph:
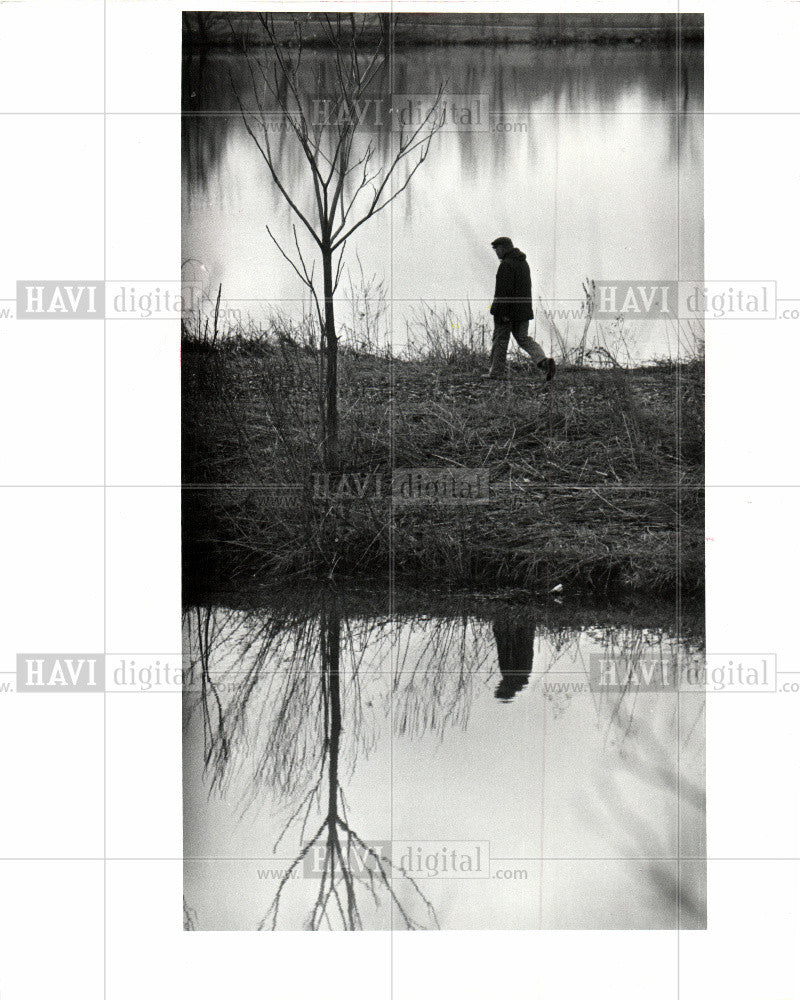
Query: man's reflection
point(514, 637)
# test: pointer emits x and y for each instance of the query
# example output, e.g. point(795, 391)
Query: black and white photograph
point(398, 516)
point(442, 445)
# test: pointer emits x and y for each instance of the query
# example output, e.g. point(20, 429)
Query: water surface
point(321, 730)
point(589, 157)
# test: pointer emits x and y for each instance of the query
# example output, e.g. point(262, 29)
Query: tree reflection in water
point(302, 756)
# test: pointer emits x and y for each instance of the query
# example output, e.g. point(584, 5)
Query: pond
point(424, 763)
point(589, 157)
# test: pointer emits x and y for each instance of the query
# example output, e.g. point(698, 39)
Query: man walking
point(512, 310)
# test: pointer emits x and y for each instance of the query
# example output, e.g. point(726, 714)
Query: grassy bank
point(593, 483)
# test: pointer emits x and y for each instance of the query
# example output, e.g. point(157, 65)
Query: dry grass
point(596, 482)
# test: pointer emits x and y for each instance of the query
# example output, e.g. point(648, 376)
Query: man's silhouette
point(514, 637)
point(512, 309)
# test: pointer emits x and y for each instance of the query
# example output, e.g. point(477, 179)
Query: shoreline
point(374, 601)
point(648, 29)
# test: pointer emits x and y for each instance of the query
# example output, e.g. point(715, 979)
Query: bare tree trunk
point(330, 648)
point(330, 368)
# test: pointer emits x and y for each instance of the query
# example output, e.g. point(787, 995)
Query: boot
point(548, 366)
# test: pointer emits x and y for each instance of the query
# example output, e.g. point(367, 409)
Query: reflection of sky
point(608, 188)
point(580, 779)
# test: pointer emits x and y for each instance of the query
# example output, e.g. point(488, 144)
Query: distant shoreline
point(214, 30)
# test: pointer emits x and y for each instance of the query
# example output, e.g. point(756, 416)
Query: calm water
point(590, 158)
point(308, 732)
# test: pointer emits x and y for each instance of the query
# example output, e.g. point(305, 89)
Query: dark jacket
point(512, 289)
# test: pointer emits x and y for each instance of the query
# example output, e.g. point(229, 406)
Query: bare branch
point(419, 139)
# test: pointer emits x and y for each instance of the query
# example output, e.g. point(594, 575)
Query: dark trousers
point(502, 333)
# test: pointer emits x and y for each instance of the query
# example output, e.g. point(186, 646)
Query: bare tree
point(351, 178)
